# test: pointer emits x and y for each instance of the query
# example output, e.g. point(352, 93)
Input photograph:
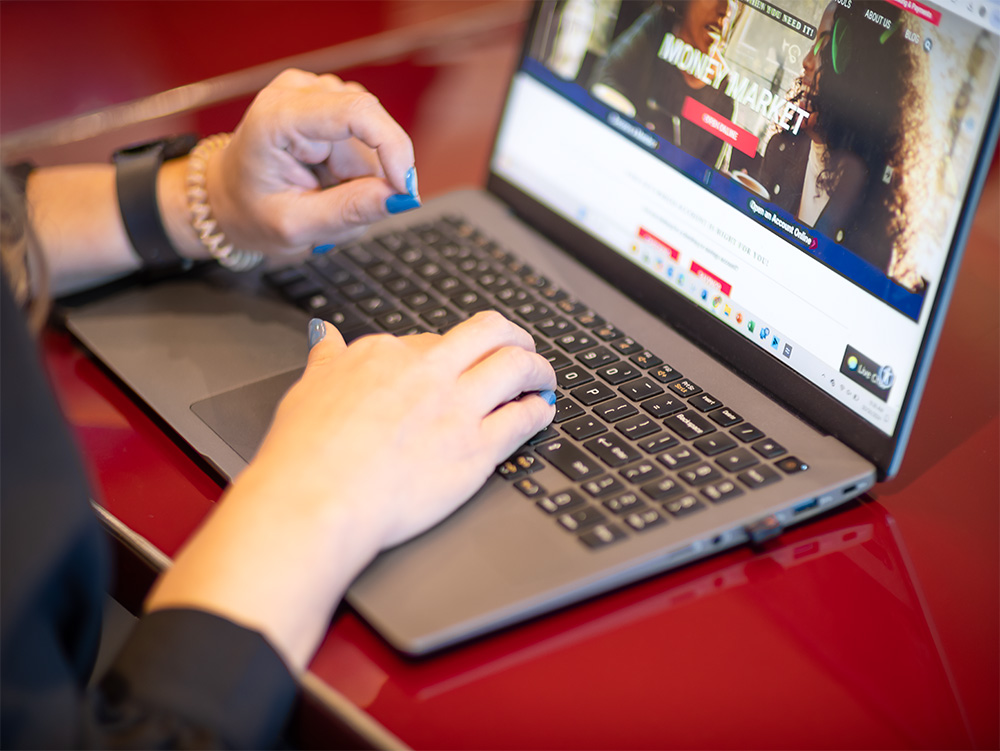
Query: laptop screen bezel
point(752, 362)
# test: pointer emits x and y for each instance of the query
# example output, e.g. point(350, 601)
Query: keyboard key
point(624, 503)
point(529, 487)
point(645, 519)
point(581, 518)
point(357, 291)
point(721, 491)
point(677, 457)
point(569, 459)
point(639, 389)
point(601, 535)
point(615, 409)
point(664, 405)
point(641, 472)
point(567, 409)
point(557, 359)
point(567, 378)
point(596, 357)
point(710, 445)
point(583, 427)
point(441, 317)
point(658, 443)
point(758, 477)
point(747, 432)
point(768, 449)
point(663, 490)
point(685, 387)
point(704, 402)
point(664, 373)
point(683, 505)
point(420, 302)
point(637, 427)
point(725, 417)
point(575, 342)
point(592, 393)
point(689, 425)
point(607, 333)
point(342, 318)
point(646, 359)
point(470, 302)
point(612, 450)
point(564, 501)
point(737, 461)
point(603, 486)
point(533, 311)
point(618, 373)
point(545, 434)
point(700, 474)
point(626, 346)
point(374, 306)
point(554, 326)
point(394, 321)
point(571, 307)
point(401, 286)
point(589, 319)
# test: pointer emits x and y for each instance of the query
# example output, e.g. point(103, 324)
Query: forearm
point(276, 567)
point(78, 224)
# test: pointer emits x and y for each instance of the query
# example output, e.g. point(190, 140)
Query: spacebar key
point(569, 460)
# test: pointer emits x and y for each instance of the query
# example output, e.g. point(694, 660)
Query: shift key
point(569, 459)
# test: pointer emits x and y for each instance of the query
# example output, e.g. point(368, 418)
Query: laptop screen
point(795, 170)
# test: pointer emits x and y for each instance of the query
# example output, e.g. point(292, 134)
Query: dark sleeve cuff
point(187, 678)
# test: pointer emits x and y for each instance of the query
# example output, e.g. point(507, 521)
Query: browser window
point(791, 169)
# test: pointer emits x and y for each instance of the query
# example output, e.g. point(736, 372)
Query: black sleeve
point(189, 679)
point(183, 679)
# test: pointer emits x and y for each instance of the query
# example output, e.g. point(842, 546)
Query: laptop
point(738, 275)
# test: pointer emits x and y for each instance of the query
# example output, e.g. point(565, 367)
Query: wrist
point(141, 205)
point(172, 194)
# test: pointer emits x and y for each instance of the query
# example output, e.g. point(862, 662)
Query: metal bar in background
point(382, 47)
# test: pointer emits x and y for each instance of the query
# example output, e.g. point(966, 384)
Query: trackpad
point(241, 417)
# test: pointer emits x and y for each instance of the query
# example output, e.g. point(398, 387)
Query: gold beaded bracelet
point(201, 214)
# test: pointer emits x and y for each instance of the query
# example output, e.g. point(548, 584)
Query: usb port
point(802, 507)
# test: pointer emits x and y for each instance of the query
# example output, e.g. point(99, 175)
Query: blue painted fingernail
point(317, 330)
point(549, 396)
point(401, 202)
point(411, 181)
point(320, 249)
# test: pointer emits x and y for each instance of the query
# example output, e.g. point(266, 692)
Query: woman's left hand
point(312, 163)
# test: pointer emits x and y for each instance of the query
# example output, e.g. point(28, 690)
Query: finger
point(335, 214)
point(509, 426)
point(505, 375)
point(350, 159)
point(336, 116)
point(325, 342)
point(478, 337)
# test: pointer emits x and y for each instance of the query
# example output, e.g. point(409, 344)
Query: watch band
point(136, 169)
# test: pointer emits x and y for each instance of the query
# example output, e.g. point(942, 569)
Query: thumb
point(325, 342)
point(353, 205)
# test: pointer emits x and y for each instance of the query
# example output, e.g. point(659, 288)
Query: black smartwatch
point(136, 168)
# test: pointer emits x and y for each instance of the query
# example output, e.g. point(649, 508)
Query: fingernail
point(320, 249)
point(317, 330)
point(411, 181)
point(401, 202)
point(549, 396)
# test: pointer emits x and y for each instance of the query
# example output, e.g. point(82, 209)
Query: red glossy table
point(874, 627)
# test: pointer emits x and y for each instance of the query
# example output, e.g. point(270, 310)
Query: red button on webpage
point(717, 125)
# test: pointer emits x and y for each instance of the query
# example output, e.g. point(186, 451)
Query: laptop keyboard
point(638, 443)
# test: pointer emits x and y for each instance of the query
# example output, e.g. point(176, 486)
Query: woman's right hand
point(377, 442)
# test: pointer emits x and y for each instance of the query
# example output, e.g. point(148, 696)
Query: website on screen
point(828, 141)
